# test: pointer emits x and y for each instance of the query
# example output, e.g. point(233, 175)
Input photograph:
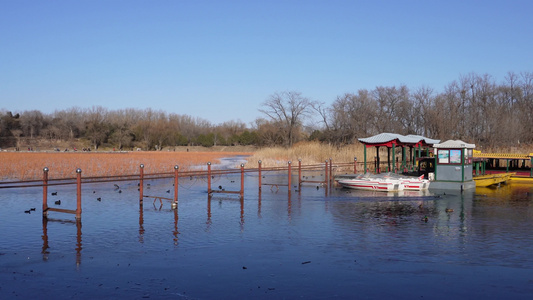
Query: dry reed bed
point(29, 165)
point(308, 152)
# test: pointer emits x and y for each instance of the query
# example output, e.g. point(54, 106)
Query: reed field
point(29, 165)
point(308, 152)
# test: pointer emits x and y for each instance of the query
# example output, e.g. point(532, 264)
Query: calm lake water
point(313, 244)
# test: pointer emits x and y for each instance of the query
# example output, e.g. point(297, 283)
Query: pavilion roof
point(387, 139)
point(454, 144)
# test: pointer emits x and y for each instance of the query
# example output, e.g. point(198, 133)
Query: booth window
point(444, 156)
point(455, 156)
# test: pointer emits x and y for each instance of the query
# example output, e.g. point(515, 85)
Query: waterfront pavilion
point(416, 144)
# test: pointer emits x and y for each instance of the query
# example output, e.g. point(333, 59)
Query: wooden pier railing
point(327, 168)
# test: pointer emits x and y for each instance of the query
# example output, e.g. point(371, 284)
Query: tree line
point(123, 129)
point(474, 108)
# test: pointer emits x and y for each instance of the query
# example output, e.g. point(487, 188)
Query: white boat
point(387, 182)
point(372, 182)
point(415, 183)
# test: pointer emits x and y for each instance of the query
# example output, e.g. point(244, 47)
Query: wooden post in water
point(78, 242)
point(209, 178)
point(355, 165)
point(78, 194)
point(45, 192)
point(289, 169)
point(242, 180)
point(141, 184)
point(330, 171)
point(259, 170)
point(299, 174)
point(175, 203)
point(326, 172)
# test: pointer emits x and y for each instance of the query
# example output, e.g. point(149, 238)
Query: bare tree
point(69, 123)
point(288, 109)
point(423, 102)
point(121, 123)
point(526, 105)
point(268, 132)
point(394, 112)
point(32, 122)
point(96, 125)
point(352, 116)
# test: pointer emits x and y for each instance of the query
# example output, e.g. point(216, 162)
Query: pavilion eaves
point(407, 140)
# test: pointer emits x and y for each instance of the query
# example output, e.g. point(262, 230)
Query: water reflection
point(241, 216)
point(45, 252)
point(519, 194)
point(141, 224)
point(289, 205)
point(259, 204)
point(208, 222)
point(175, 231)
point(241, 200)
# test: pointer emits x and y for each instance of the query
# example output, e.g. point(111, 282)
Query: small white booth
point(453, 166)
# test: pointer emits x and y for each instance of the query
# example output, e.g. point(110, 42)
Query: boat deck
point(490, 179)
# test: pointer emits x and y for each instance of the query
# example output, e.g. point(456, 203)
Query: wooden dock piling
point(242, 181)
point(208, 178)
point(45, 191)
point(78, 194)
point(259, 171)
point(176, 176)
point(141, 184)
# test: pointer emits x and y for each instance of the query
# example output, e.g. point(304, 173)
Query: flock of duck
point(58, 202)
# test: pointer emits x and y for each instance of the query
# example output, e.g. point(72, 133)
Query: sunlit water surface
point(312, 244)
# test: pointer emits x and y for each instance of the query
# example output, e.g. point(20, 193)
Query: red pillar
point(45, 192)
point(355, 165)
point(330, 170)
point(299, 173)
point(326, 172)
point(176, 171)
point(209, 178)
point(141, 184)
point(289, 168)
point(242, 180)
point(78, 194)
point(259, 170)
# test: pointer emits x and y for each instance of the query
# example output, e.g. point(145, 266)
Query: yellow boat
point(522, 179)
point(487, 180)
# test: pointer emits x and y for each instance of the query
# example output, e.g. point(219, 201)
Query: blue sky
point(219, 60)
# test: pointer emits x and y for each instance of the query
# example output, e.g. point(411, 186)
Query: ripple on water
point(307, 244)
